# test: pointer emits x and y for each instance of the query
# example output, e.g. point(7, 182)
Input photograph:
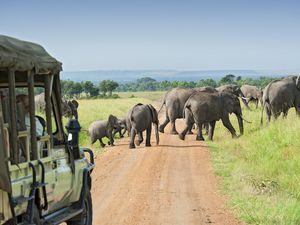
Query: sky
point(162, 35)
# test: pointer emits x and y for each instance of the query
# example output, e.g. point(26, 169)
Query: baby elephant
point(100, 129)
point(122, 128)
point(140, 118)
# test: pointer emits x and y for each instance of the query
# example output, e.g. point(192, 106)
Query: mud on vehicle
point(44, 175)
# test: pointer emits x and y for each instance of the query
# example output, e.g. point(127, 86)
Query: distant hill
point(123, 76)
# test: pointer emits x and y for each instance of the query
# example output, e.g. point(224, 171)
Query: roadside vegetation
point(260, 171)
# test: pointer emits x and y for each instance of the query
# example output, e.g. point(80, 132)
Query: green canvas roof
point(24, 56)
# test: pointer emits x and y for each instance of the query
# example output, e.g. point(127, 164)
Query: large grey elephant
point(69, 107)
point(40, 103)
point(174, 102)
point(139, 119)
point(235, 90)
point(281, 95)
point(251, 93)
point(100, 129)
point(203, 107)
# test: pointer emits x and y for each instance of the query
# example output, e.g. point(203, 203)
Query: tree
point(145, 80)
point(76, 89)
point(228, 79)
point(108, 86)
point(208, 82)
point(103, 87)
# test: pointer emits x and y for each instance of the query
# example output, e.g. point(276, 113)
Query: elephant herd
point(198, 106)
point(69, 107)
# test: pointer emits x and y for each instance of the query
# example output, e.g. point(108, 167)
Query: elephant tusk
point(246, 120)
point(245, 98)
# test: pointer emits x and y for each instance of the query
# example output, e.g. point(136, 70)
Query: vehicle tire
point(86, 217)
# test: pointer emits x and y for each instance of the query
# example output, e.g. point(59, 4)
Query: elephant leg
point(188, 126)
point(268, 112)
point(140, 139)
point(173, 127)
point(256, 103)
point(206, 127)
point(199, 132)
point(164, 124)
point(124, 132)
point(190, 130)
point(297, 110)
point(226, 122)
point(245, 103)
point(148, 136)
point(211, 130)
point(101, 143)
point(120, 133)
point(111, 139)
point(115, 132)
point(285, 113)
point(132, 137)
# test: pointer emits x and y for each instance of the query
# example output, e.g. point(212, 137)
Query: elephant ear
point(75, 103)
point(112, 120)
point(228, 101)
point(298, 82)
point(153, 114)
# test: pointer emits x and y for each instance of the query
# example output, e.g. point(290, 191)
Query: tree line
point(105, 88)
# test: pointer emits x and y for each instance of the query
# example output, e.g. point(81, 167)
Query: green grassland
point(261, 169)
point(154, 95)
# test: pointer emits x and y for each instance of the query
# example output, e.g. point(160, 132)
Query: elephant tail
point(164, 102)
point(187, 105)
point(265, 99)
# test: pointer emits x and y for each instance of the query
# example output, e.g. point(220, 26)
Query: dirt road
point(170, 184)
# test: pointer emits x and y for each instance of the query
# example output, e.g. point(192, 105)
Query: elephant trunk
point(241, 125)
point(156, 133)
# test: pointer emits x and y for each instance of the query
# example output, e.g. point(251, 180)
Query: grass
point(153, 96)
point(261, 169)
point(100, 109)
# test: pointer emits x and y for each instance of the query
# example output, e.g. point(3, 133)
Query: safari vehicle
point(44, 179)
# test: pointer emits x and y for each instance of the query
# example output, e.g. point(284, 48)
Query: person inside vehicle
point(25, 103)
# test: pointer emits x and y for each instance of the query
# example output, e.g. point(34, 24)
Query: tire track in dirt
point(170, 184)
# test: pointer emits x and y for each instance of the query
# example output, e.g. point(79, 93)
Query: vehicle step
point(61, 216)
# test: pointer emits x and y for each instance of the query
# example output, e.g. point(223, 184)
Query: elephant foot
point(181, 136)
point(161, 130)
point(121, 136)
point(108, 142)
point(138, 142)
point(210, 138)
point(102, 145)
point(148, 145)
point(174, 132)
point(199, 138)
point(190, 132)
point(131, 146)
point(234, 136)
